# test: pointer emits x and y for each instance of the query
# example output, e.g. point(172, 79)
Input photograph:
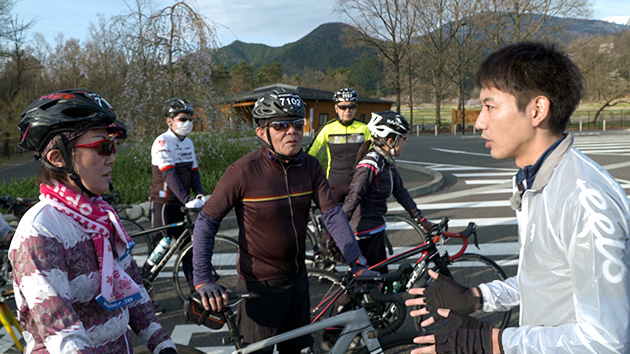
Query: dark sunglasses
point(284, 124)
point(184, 119)
point(105, 147)
point(351, 106)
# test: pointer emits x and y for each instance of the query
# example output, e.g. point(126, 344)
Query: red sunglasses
point(105, 147)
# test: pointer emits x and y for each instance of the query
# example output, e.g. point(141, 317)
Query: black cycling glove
point(168, 351)
point(446, 293)
point(465, 335)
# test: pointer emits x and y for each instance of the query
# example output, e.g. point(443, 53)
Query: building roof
point(304, 92)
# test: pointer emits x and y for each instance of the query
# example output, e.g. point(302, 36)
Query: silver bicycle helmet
point(345, 94)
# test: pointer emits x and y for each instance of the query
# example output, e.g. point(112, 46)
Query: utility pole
point(462, 52)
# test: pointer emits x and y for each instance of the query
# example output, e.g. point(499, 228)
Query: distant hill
point(321, 49)
point(580, 28)
point(324, 48)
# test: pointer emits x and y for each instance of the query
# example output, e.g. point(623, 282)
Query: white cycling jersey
point(572, 283)
point(171, 152)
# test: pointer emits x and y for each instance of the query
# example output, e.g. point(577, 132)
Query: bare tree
point(169, 52)
point(507, 21)
point(387, 26)
point(605, 66)
point(439, 23)
point(177, 31)
point(16, 70)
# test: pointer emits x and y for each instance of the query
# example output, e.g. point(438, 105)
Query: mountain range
point(327, 47)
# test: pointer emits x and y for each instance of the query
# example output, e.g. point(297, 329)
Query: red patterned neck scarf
point(99, 219)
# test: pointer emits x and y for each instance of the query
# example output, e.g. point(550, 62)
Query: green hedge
point(132, 170)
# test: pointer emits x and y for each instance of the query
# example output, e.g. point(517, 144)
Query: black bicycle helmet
point(177, 105)
point(345, 94)
point(384, 123)
point(70, 110)
point(119, 130)
point(66, 111)
point(278, 104)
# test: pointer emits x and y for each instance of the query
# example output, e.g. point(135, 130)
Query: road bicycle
point(400, 231)
point(357, 336)
point(468, 269)
point(142, 241)
point(9, 322)
point(223, 259)
point(19, 206)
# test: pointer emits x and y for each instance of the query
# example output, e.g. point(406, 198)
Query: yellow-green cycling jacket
point(343, 144)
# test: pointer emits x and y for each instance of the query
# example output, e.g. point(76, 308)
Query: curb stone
point(139, 212)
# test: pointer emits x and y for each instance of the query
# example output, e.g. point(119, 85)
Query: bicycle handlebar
point(463, 235)
point(403, 268)
point(16, 206)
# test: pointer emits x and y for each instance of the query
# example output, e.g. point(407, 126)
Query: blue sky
point(271, 22)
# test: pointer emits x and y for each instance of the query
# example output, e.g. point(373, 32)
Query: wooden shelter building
point(320, 106)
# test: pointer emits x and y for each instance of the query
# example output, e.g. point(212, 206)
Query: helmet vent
point(78, 112)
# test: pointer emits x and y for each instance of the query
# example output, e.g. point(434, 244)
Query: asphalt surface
point(471, 186)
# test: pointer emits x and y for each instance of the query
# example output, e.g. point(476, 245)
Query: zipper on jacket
point(297, 244)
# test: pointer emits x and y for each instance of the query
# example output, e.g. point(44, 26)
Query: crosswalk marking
point(455, 205)
point(486, 174)
point(6, 342)
point(488, 183)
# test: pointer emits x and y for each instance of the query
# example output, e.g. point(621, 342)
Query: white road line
point(461, 152)
point(217, 350)
point(6, 342)
point(455, 205)
point(487, 174)
point(487, 181)
point(498, 191)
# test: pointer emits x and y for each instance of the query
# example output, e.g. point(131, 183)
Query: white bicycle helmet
point(384, 123)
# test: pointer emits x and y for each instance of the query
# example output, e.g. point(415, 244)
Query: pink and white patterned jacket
point(56, 280)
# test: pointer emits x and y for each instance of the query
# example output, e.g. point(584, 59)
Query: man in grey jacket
point(572, 282)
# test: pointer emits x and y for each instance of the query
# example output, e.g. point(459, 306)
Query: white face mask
point(184, 128)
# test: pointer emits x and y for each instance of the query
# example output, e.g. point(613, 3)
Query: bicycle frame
point(176, 246)
point(355, 322)
point(9, 321)
point(430, 254)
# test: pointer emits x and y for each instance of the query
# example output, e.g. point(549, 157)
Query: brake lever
point(475, 241)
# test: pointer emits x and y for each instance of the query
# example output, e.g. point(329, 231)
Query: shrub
point(131, 173)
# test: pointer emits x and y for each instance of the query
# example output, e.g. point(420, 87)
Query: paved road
point(476, 188)
point(19, 168)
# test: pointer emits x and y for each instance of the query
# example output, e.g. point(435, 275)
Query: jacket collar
point(269, 156)
point(536, 176)
point(526, 176)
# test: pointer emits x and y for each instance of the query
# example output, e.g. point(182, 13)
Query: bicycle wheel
point(324, 289)
point(223, 265)
point(402, 233)
point(311, 242)
point(471, 270)
point(143, 243)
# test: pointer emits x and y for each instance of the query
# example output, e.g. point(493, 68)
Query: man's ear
point(541, 109)
point(262, 133)
point(55, 158)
